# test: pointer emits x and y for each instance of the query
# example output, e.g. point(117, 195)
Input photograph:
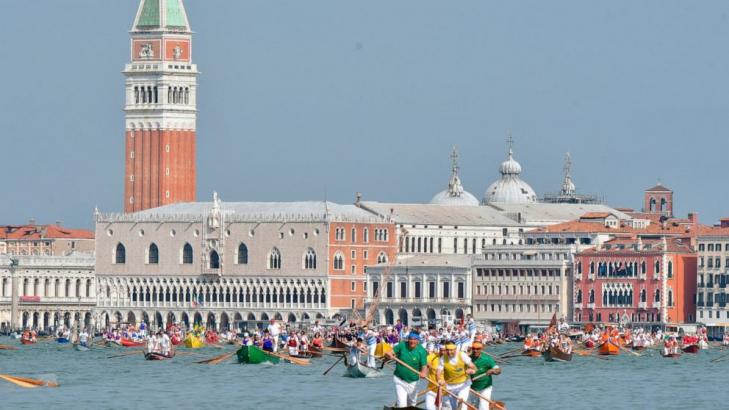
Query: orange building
point(48, 240)
point(647, 281)
point(353, 246)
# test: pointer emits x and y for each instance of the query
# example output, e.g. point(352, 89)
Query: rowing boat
point(81, 348)
point(27, 341)
point(130, 343)
point(194, 342)
point(359, 371)
point(315, 352)
point(62, 340)
point(254, 355)
point(671, 355)
point(691, 348)
point(159, 356)
point(608, 348)
point(554, 354)
point(531, 352)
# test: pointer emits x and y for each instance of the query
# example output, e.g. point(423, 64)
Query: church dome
point(510, 188)
point(455, 194)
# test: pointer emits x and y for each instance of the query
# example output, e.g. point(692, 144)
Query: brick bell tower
point(161, 89)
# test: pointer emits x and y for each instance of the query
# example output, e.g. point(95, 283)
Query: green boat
point(254, 355)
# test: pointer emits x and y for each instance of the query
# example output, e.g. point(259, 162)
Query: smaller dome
point(445, 198)
point(455, 194)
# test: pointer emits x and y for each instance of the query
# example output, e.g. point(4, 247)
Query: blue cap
point(413, 335)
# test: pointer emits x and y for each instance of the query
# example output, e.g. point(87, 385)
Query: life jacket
point(455, 373)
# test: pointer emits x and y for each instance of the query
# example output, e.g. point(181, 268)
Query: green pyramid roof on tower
point(161, 15)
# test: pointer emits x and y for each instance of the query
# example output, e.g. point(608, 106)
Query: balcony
point(591, 306)
point(656, 305)
point(591, 276)
point(642, 305)
point(642, 276)
point(578, 276)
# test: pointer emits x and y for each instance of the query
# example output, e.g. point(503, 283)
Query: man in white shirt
point(274, 329)
point(165, 344)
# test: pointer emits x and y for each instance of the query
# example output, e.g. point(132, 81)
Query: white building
point(420, 290)
point(49, 290)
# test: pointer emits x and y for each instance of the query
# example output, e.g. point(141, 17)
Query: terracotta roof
point(671, 228)
point(35, 232)
point(712, 231)
point(658, 188)
point(619, 245)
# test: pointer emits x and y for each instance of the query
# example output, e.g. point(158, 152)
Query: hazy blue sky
point(302, 100)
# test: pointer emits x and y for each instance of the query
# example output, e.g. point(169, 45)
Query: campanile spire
point(160, 108)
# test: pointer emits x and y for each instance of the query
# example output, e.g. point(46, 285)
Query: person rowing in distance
point(415, 356)
point(453, 371)
point(485, 365)
point(83, 338)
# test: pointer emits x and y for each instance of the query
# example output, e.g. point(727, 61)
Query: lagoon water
point(90, 380)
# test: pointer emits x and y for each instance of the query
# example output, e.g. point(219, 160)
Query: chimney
point(359, 199)
point(724, 222)
point(693, 217)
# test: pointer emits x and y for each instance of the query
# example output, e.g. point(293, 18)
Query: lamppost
point(13, 293)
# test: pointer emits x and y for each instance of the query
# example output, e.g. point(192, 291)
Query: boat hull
point(158, 356)
point(360, 371)
point(589, 343)
point(62, 340)
point(254, 355)
point(194, 342)
point(556, 355)
point(608, 349)
point(694, 348)
point(531, 353)
point(26, 341)
point(671, 355)
point(82, 348)
point(130, 343)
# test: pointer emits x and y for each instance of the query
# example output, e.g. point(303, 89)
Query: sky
point(313, 100)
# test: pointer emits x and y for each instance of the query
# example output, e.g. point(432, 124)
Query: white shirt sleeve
point(466, 359)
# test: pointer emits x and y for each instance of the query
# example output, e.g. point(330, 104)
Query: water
point(91, 380)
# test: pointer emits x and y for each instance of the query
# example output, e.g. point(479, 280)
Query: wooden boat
point(691, 348)
point(27, 341)
point(608, 348)
point(637, 347)
point(194, 342)
point(254, 355)
point(531, 352)
point(176, 340)
point(130, 343)
point(360, 371)
point(671, 355)
point(62, 340)
point(554, 354)
point(158, 356)
point(589, 343)
point(81, 348)
point(339, 344)
point(315, 352)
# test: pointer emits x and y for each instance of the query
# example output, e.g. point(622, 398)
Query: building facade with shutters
point(523, 284)
point(637, 281)
point(712, 279)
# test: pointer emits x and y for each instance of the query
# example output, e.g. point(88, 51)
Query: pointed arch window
point(670, 268)
point(214, 260)
point(187, 254)
point(120, 254)
point(274, 259)
point(338, 261)
point(382, 257)
point(242, 254)
point(153, 254)
point(310, 259)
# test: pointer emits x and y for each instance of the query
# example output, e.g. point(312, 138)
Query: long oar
point(720, 358)
point(629, 351)
point(469, 405)
point(126, 354)
point(26, 382)
point(6, 347)
point(332, 366)
point(509, 352)
point(294, 360)
point(218, 359)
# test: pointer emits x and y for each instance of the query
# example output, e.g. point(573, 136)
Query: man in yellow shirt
point(453, 371)
point(434, 354)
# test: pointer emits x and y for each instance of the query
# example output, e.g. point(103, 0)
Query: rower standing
point(415, 356)
point(485, 364)
point(453, 371)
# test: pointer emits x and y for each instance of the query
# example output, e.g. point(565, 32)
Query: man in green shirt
point(481, 380)
point(415, 356)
